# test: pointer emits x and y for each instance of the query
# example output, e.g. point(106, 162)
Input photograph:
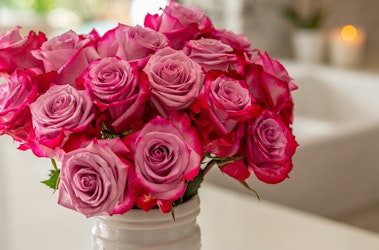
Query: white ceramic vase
point(151, 230)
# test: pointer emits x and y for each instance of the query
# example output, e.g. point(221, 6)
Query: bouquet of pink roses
point(138, 115)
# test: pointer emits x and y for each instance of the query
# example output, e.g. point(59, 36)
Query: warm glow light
point(349, 33)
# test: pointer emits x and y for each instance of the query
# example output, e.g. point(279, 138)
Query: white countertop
point(233, 221)
point(30, 219)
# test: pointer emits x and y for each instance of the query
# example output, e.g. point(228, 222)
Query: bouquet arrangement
point(139, 115)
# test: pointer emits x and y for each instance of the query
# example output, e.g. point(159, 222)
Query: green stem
point(208, 167)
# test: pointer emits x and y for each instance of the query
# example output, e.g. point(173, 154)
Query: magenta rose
point(59, 112)
point(236, 169)
point(211, 54)
point(15, 51)
point(68, 54)
point(180, 23)
point(271, 85)
point(175, 80)
point(131, 43)
point(167, 154)
point(16, 95)
point(273, 67)
point(116, 88)
point(220, 145)
point(270, 147)
point(94, 179)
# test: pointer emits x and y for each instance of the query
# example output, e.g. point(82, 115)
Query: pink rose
point(167, 154)
point(68, 54)
point(59, 112)
point(94, 179)
point(15, 97)
point(237, 42)
point(57, 51)
point(175, 80)
point(222, 107)
point(15, 51)
point(211, 54)
point(226, 101)
point(180, 23)
point(271, 85)
point(270, 147)
point(116, 88)
point(131, 43)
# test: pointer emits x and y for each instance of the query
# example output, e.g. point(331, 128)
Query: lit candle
point(346, 46)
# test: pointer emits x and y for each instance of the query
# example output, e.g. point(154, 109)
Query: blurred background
point(336, 169)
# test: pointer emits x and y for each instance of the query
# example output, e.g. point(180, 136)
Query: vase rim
point(183, 213)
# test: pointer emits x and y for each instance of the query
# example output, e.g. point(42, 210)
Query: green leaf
point(291, 14)
point(246, 185)
point(193, 186)
point(107, 133)
point(54, 163)
point(316, 20)
point(53, 180)
point(313, 21)
point(173, 214)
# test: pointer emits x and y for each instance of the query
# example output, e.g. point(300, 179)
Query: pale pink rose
point(94, 179)
point(180, 23)
point(116, 89)
point(68, 54)
point(57, 51)
point(15, 50)
point(16, 95)
point(270, 147)
point(131, 43)
point(59, 112)
point(167, 154)
point(211, 54)
point(271, 85)
point(175, 80)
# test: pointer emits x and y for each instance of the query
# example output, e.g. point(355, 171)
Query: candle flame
point(349, 33)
